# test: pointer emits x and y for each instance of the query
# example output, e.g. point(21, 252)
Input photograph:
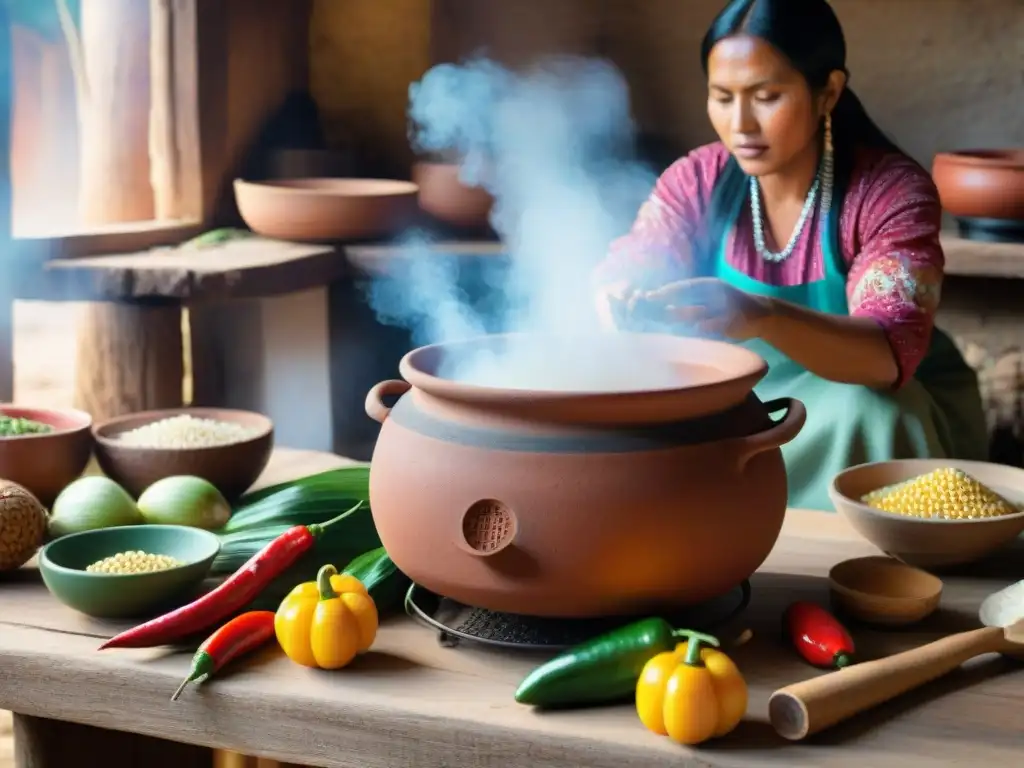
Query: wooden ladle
point(805, 708)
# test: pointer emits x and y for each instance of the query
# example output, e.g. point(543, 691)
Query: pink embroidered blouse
point(889, 233)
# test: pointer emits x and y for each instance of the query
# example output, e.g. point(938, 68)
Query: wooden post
point(129, 356)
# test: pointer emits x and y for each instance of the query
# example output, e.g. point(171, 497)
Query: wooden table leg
point(43, 743)
point(224, 759)
point(129, 359)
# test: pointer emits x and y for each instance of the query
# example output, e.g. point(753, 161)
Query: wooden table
point(414, 703)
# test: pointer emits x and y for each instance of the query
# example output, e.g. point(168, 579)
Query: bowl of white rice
point(229, 448)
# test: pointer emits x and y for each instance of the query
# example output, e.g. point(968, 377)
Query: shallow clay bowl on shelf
point(325, 210)
point(929, 543)
point(982, 183)
point(445, 196)
point(45, 463)
point(62, 564)
point(231, 468)
point(882, 590)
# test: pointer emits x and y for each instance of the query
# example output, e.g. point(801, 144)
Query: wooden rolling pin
point(803, 709)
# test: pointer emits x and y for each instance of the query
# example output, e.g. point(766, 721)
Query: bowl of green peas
point(43, 449)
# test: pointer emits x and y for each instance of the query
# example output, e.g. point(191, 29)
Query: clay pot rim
point(749, 366)
point(331, 187)
point(926, 465)
point(1009, 159)
point(74, 420)
point(106, 432)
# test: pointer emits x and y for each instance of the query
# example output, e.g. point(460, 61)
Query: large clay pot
point(981, 184)
point(573, 504)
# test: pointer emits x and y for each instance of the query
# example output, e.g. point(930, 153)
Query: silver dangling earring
point(827, 167)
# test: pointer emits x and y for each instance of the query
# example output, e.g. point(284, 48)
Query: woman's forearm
point(850, 350)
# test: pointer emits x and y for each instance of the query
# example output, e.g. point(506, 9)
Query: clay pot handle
point(375, 407)
point(777, 435)
point(806, 708)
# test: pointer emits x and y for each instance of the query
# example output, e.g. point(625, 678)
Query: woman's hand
point(711, 306)
point(606, 299)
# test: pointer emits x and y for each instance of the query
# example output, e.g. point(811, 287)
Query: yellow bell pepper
point(691, 694)
point(326, 623)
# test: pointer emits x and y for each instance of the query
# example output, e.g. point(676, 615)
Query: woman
point(807, 236)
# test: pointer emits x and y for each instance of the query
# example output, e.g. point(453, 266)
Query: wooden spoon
point(806, 708)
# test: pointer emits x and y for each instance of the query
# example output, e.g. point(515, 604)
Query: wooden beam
point(188, 111)
point(129, 357)
point(115, 184)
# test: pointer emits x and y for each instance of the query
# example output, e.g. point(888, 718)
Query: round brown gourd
point(22, 525)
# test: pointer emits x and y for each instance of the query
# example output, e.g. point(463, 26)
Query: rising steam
point(554, 146)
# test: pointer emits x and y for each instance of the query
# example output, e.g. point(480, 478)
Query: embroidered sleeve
point(657, 250)
point(896, 278)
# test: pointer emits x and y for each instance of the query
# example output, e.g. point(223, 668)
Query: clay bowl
point(883, 591)
point(231, 468)
point(982, 183)
point(929, 543)
point(326, 210)
point(44, 464)
point(62, 564)
point(444, 195)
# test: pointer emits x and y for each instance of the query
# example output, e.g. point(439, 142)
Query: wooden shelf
point(249, 268)
point(971, 258)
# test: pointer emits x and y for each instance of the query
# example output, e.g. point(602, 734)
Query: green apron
point(937, 414)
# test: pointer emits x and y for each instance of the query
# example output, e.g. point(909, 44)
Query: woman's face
point(761, 107)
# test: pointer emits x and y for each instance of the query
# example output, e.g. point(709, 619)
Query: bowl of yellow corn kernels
point(128, 572)
point(933, 512)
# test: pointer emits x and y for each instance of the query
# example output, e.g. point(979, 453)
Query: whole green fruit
point(184, 500)
point(89, 503)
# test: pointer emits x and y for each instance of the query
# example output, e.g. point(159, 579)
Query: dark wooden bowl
point(981, 184)
point(231, 468)
point(44, 464)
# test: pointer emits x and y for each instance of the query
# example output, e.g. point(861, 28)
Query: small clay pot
point(575, 503)
point(981, 184)
point(326, 210)
point(444, 195)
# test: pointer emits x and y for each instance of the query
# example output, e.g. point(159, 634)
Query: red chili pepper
point(818, 636)
point(242, 634)
point(230, 596)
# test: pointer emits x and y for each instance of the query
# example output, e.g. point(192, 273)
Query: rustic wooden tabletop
point(411, 702)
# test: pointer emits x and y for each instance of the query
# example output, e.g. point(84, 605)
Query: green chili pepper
point(602, 670)
point(386, 584)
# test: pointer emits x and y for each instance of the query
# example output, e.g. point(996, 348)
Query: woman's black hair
point(809, 35)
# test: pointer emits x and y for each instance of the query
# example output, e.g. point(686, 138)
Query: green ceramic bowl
point(62, 564)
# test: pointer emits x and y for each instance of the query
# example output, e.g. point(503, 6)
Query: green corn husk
point(302, 502)
point(355, 477)
point(386, 584)
point(261, 517)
